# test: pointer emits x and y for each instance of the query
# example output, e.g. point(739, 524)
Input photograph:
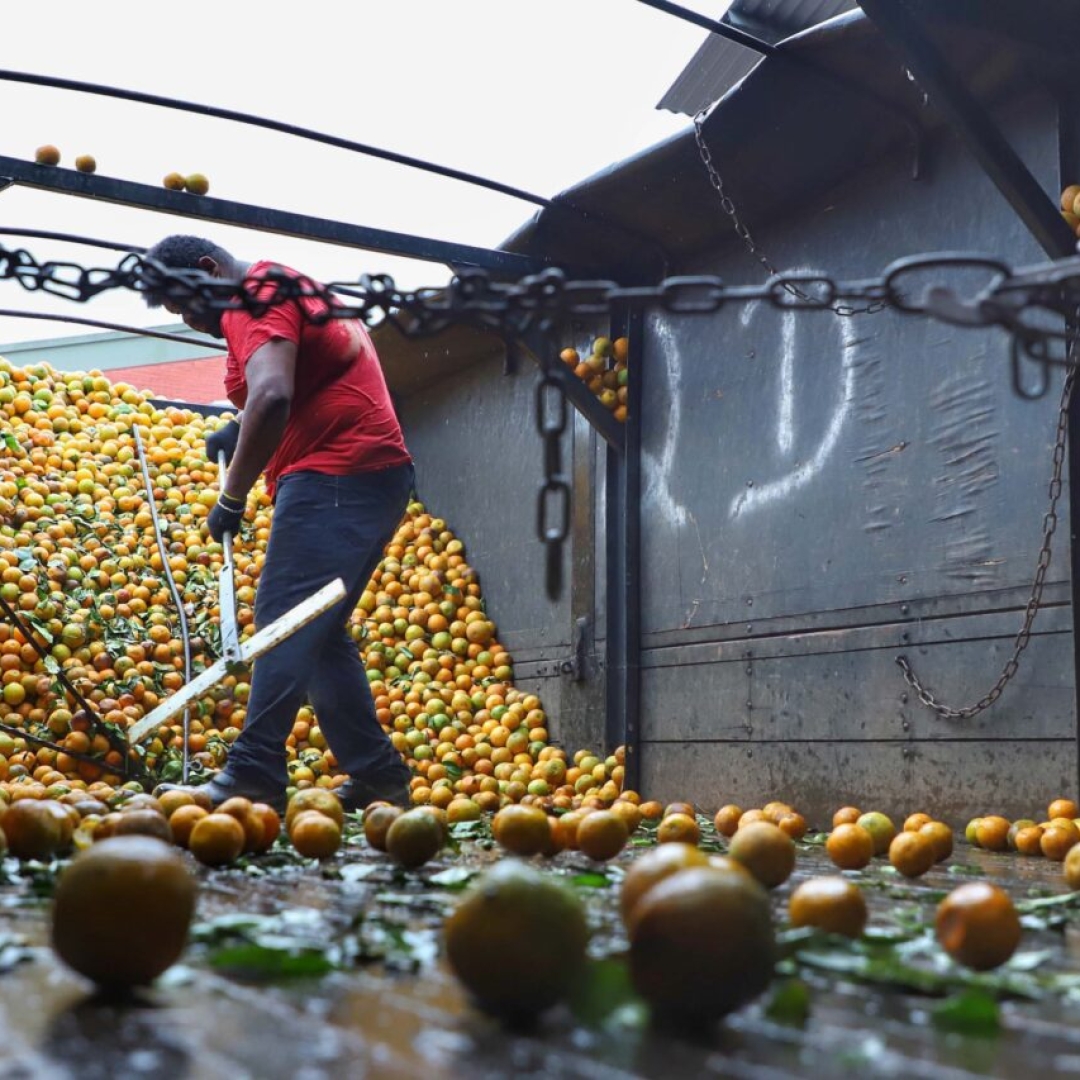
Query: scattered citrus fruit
point(977, 925)
point(829, 903)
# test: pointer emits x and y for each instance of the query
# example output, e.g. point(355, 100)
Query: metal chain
point(1050, 523)
point(743, 232)
point(554, 496)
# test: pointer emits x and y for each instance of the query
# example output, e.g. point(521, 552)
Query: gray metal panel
point(801, 463)
point(479, 465)
point(857, 693)
point(952, 781)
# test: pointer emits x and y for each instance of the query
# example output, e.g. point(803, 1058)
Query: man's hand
point(224, 439)
point(225, 517)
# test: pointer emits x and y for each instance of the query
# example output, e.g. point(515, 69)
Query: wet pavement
point(304, 970)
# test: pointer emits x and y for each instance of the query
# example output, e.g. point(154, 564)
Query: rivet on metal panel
point(749, 753)
point(902, 578)
point(749, 627)
point(903, 699)
point(905, 725)
point(905, 636)
point(749, 483)
point(749, 601)
point(904, 609)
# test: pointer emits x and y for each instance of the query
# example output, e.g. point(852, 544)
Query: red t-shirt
point(341, 420)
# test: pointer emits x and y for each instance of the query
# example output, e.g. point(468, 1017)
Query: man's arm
point(270, 377)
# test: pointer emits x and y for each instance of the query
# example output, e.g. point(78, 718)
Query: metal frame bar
point(622, 535)
point(11, 313)
point(273, 125)
point(1068, 100)
point(282, 222)
point(970, 121)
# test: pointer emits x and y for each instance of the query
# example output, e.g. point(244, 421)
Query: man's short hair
point(179, 253)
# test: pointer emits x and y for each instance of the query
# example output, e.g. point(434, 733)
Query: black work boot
point(223, 786)
point(357, 792)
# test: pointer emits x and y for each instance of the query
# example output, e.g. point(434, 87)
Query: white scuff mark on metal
point(785, 426)
point(660, 467)
point(807, 469)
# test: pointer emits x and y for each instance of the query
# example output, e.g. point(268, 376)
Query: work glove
point(225, 517)
point(225, 439)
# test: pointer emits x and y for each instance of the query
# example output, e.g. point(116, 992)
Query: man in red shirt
point(317, 420)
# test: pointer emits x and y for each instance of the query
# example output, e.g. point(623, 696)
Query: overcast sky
point(536, 95)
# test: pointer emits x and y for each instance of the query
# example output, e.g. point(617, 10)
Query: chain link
point(554, 496)
point(1030, 304)
point(1050, 523)
point(787, 284)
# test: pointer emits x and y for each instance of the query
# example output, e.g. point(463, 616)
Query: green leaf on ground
point(973, 1012)
point(790, 1002)
point(604, 995)
point(271, 961)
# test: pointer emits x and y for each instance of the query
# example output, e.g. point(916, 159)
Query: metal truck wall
point(824, 494)
point(479, 466)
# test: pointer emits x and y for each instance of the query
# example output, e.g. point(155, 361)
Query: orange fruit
point(1068, 197)
point(462, 810)
point(183, 821)
point(941, 837)
point(1072, 868)
point(850, 846)
point(271, 825)
point(143, 823)
point(522, 830)
point(680, 828)
point(766, 851)
point(97, 929)
point(914, 822)
point(197, 184)
point(679, 808)
point(377, 822)
point(517, 940)
point(880, 828)
point(174, 181)
point(992, 833)
point(651, 810)
point(1029, 840)
point(775, 810)
point(314, 835)
point(217, 839)
point(566, 827)
point(601, 836)
point(654, 865)
point(86, 163)
point(971, 832)
point(1015, 828)
point(912, 853)
point(413, 838)
point(846, 815)
point(829, 903)
point(701, 943)
point(727, 819)
point(750, 817)
point(1055, 842)
point(244, 811)
point(315, 798)
point(33, 831)
point(793, 824)
point(977, 925)
point(171, 801)
point(47, 155)
point(1065, 808)
point(630, 814)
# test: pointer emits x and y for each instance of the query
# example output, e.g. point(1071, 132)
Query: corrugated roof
point(719, 63)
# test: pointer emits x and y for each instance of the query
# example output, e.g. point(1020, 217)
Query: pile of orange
point(80, 563)
point(604, 371)
point(1054, 837)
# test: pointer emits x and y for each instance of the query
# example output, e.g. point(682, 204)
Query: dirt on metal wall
point(824, 494)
